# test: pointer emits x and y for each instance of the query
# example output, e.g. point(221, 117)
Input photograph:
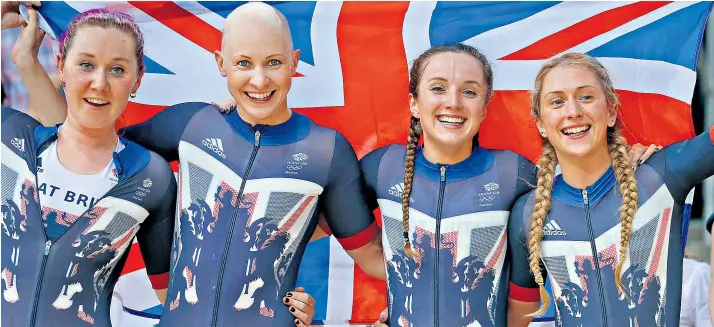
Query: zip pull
point(257, 138)
point(585, 197)
point(443, 173)
point(48, 244)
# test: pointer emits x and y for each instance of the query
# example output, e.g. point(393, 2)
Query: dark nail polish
point(639, 161)
point(297, 322)
point(290, 294)
point(292, 309)
point(285, 300)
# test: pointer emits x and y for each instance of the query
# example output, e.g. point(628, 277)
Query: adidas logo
point(397, 190)
point(553, 229)
point(216, 145)
point(19, 143)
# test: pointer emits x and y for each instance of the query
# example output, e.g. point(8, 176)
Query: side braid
point(546, 176)
point(412, 142)
point(625, 176)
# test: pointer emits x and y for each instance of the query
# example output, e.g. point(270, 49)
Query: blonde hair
point(624, 174)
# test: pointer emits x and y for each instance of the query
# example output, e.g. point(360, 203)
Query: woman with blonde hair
point(608, 237)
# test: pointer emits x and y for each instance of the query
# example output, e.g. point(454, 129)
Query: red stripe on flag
point(134, 261)
point(659, 241)
point(183, 22)
point(363, 30)
point(584, 30)
point(376, 110)
point(646, 119)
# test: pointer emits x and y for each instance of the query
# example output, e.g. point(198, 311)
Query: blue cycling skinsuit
point(247, 207)
point(581, 242)
point(464, 209)
point(64, 276)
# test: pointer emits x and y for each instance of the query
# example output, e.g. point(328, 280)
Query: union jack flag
point(353, 76)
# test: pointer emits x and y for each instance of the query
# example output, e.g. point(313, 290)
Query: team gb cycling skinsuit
point(248, 198)
point(581, 242)
point(464, 209)
point(64, 276)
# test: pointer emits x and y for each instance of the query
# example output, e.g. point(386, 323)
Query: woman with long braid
point(609, 238)
point(451, 193)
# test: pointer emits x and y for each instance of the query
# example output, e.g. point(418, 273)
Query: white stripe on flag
point(340, 284)
point(203, 13)
point(628, 27)
point(636, 75)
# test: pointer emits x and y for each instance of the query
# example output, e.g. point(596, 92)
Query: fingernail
point(285, 300)
point(290, 294)
point(639, 161)
point(296, 322)
point(383, 317)
point(292, 309)
point(658, 148)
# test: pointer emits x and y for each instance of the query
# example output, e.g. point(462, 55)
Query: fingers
point(383, 317)
point(32, 17)
point(636, 153)
point(650, 151)
point(301, 305)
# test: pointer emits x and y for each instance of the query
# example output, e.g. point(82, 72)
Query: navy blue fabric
point(249, 197)
point(71, 282)
point(465, 280)
point(652, 274)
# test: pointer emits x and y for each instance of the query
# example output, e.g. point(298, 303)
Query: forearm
point(517, 312)
point(370, 258)
point(161, 295)
point(46, 105)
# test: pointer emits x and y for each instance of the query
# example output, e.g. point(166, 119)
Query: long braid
point(412, 141)
point(546, 176)
point(625, 176)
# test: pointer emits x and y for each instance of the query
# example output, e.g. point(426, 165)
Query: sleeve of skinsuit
point(369, 165)
point(162, 133)
point(527, 176)
point(687, 163)
point(156, 232)
point(522, 286)
point(343, 203)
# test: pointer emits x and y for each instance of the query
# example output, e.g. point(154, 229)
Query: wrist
point(25, 60)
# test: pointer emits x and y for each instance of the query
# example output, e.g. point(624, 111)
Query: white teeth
point(259, 96)
point(575, 130)
point(453, 120)
point(96, 101)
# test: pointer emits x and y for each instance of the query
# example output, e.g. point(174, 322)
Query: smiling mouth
point(96, 102)
point(260, 97)
point(451, 121)
point(576, 131)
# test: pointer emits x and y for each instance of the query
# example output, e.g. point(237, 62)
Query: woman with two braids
point(449, 192)
point(609, 237)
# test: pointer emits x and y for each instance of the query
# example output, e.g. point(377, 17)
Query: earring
point(63, 84)
point(542, 132)
point(612, 121)
point(132, 95)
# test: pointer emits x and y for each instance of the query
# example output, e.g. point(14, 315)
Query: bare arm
point(46, 105)
point(161, 295)
point(370, 258)
point(517, 312)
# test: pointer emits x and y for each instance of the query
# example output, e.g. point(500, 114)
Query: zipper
point(222, 270)
point(48, 245)
point(437, 243)
point(595, 258)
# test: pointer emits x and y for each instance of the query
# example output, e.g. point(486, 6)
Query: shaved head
point(258, 60)
point(252, 20)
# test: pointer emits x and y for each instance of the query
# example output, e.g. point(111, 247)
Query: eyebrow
point(577, 88)
point(92, 56)
point(270, 56)
point(465, 82)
